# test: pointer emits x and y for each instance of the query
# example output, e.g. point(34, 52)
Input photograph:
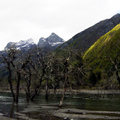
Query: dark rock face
point(86, 38)
point(51, 42)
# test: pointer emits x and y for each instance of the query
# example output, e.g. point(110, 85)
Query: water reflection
point(34, 109)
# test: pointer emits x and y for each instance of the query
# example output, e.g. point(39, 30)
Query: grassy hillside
point(98, 54)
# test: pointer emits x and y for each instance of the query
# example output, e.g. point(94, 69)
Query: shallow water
point(42, 109)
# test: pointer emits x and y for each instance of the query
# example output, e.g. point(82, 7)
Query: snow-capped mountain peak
point(53, 34)
point(42, 39)
point(22, 44)
point(29, 41)
point(52, 40)
point(50, 43)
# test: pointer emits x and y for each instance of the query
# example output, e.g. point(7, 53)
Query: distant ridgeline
point(83, 40)
point(50, 43)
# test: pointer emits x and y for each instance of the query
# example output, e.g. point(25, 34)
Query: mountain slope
point(83, 40)
point(107, 46)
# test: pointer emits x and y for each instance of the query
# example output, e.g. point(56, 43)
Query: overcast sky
point(24, 19)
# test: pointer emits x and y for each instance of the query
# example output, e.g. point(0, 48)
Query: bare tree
point(15, 65)
point(114, 58)
point(9, 58)
point(66, 64)
point(78, 69)
point(39, 66)
point(66, 72)
point(115, 62)
point(27, 73)
point(54, 66)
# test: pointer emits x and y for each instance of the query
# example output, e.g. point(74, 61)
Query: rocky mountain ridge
point(83, 40)
point(22, 44)
point(52, 41)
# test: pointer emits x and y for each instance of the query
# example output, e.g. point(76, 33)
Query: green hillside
point(98, 55)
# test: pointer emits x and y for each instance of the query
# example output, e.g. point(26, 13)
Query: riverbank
point(82, 91)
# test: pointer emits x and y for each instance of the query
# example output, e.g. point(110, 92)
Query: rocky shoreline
point(82, 91)
point(86, 114)
point(85, 91)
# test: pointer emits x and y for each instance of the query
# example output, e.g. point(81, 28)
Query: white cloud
point(24, 19)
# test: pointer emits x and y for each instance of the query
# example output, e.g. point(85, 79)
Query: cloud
point(24, 19)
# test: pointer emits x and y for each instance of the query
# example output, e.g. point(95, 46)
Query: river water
point(42, 109)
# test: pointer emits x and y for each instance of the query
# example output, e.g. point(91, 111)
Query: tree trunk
point(10, 82)
point(18, 86)
point(117, 75)
point(28, 93)
point(64, 87)
point(46, 90)
point(55, 90)
point(37, 87)
point(61, 101)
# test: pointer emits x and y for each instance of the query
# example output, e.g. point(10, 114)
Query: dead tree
point(66, 64)
point(15, 64)
point(39, 66)
point(115, 62)
point(78, 70)
point(66, 79)
point(54, 68)
point(7, 59)
point(28, 79)
point(114, 58)
point(27, 73)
